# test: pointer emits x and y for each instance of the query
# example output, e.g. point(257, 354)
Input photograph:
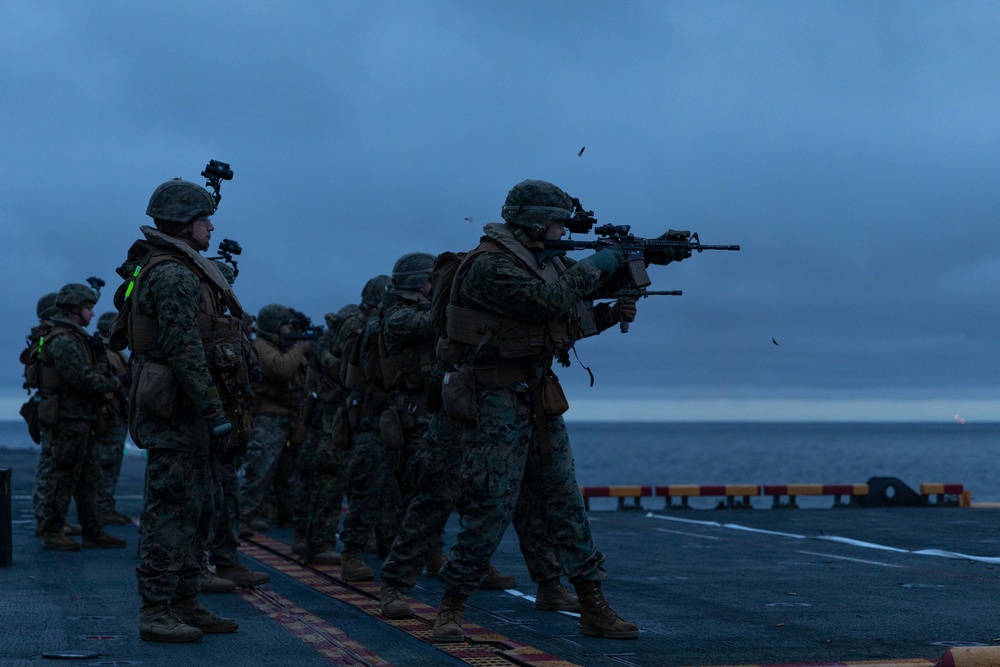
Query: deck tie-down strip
point(482, 648)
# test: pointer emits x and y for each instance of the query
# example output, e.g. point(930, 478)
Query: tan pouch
point(156, 391)
point(458, 395)
point(390, 427)
point(553, 398)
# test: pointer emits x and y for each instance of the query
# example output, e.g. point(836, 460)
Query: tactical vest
point(279, 398)
point(221, 334)
point(43, 368)
point(37, 373)
point(510, 338)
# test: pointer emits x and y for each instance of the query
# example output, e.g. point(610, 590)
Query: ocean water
point(609, 454)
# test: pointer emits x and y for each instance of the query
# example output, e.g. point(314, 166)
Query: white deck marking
point(853, 560)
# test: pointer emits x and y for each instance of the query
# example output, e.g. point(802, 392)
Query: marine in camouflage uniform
point(324, 458)
point(111, 445)
point(278, 398)
point(183, 325)
point(220, 515)
point(46, 309)
point(513, 307)
point(370, 463)
point(75, 384)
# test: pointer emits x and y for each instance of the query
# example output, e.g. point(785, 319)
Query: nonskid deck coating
point(701, 594)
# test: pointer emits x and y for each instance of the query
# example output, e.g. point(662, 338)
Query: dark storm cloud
point(851, 148)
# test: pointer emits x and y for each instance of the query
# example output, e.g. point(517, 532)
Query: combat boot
point(158, 623)
point(102, 540)
point(495, 581)
point(190, 612)
point(553, 596)
point(209, 583)
point(59, 541)
point(245, 530)
point(393, 602)
point(597, 618)
point(115, 519)
point(299, 543)
point(241, 576)
point(325, 557)
point(435, 562)
point(73, 529)
point(352, 566)
point(258, 525)
point(448, 624)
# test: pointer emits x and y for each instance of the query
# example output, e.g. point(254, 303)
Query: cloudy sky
point(851, 148)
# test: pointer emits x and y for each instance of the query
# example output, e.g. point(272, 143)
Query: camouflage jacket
point(500, 282)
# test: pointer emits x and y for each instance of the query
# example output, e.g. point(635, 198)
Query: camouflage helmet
point(347, 311)
point(226, 270)
point(413, 270)
point(535, 204)
point(46, 307)
point(371, 295)
point(180, 202)
point(271, 317)
point(75, 294)
point(105, 321)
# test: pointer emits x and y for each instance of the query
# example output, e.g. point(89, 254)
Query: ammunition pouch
point(340, 428)
point(458, 395)
point(390, 427)
point(513, 339)
point(302, 420)
point(553, 398)
point(29, 411)
point(156, 390)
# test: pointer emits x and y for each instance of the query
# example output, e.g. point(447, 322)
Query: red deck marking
point(482, 648)
point(332, 643)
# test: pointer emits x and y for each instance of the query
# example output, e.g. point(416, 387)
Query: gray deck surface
point(702, 588)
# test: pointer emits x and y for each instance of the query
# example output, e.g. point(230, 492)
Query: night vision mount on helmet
point(75, 294)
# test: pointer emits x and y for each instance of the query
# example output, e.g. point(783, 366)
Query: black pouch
point(458, 395)
point(30, 413)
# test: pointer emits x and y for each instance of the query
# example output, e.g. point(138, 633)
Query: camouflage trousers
point(260, 462)
point(219, 525)
point(432, 481)
point(171, 541)
point(73, 471)
point(42, 474)
point(110, 451)
point(501, 473)
point(434, 473)
point(373, 494)
point(323, 475)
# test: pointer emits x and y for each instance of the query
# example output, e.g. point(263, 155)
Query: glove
point(219, 429)
point(606, 261)
point(623, 311)
point(666, 255)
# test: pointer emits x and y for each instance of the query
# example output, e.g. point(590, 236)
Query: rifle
point(636, 251)
point(302, 329)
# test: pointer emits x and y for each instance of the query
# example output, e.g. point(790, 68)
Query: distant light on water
point(959, 419)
